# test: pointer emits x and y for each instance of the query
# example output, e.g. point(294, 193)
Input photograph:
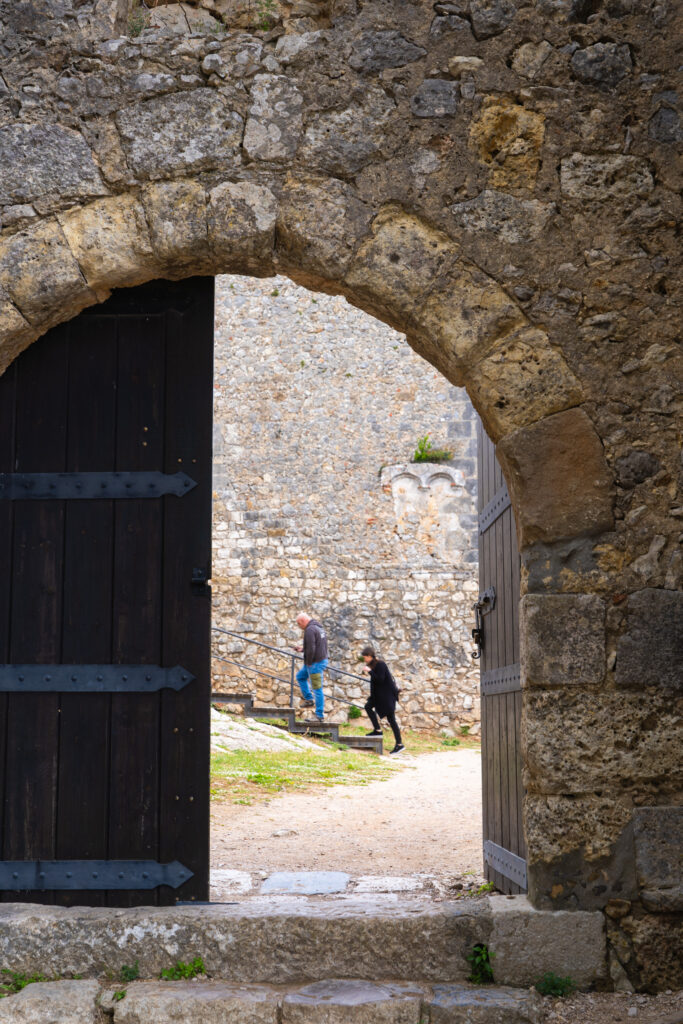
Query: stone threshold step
point(245, 699)
point(334, 1001)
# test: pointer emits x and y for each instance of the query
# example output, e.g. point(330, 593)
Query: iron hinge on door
point(485, 604)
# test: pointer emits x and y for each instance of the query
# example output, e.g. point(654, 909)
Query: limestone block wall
point(318, 408)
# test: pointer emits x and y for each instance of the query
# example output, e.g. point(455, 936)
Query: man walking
point(383, 697)
point(310, 677)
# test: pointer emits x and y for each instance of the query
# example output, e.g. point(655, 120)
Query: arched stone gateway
point(495, 180)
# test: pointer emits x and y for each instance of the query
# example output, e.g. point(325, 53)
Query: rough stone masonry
point(317, 505)
point(496, 179)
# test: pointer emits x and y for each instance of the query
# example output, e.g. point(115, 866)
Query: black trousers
point(390, 717)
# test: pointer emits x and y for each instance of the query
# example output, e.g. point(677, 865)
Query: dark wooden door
point(104, 604)
point(501, 696)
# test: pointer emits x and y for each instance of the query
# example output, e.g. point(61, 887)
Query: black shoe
point(307, 704)
point(375, 732)
point(398, 749)
point(318, 720)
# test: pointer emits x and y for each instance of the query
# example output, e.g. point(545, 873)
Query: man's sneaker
point(317, 720)
point(375, 732)
point(398, 749)
point(307, 704)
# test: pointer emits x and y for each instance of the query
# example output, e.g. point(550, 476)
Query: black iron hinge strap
point(506, 863)
point(44, 875)
point(69, 486)
point(92, 678)
point(507, 679)
point(495, 508)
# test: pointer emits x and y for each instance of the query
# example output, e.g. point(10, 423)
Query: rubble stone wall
point(317, 506)
point(496, 179)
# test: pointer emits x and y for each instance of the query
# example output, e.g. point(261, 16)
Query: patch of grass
point(415, 742)
point(553, 985)
point(245, 776)
point(13, 982)
point(182, 971)
point(355, 712)
point(480, 962)
point(465, 730)
point(130, 973)
point(450, 741)
point(486, 887)
point(426, 452)
point(118, 996)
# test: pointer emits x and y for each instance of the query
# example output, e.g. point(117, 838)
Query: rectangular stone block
point(650, 653)
point(562, 639)
point(187, 1002)
point(659, 856)
point(52, 1002)
point(458, 1004)
point(348, 1001)
point(526, 943)
point(583, 743)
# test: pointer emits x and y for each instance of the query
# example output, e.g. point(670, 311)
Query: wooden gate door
point(497, 613)
point(105, 542)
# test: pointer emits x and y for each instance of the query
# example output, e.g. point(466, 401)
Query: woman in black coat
point(383, 697)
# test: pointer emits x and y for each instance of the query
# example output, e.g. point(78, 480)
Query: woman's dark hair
point(368, 652)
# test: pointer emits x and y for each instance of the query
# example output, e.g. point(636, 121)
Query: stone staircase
point(308, 727)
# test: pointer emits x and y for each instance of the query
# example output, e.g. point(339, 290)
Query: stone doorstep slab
point(276, 940)
point(335, 1001)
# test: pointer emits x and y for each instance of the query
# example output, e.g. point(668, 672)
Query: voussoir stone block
point(526, 943)
point(658, 835)
point(458, 1004)
point(15, 332)
point(560, 482)
point(176, 216)
point(53, 1002)
point(321, 224)
point(348, 1001)
point(650, 652)
point(522, 379)
point(41, 276)
point(562, 639)
point(196, 1002)
point(181, 133)
point(241, 219)
point(110, 240)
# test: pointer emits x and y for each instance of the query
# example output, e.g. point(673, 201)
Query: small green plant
point(14, 982)
point(355, 712)
point(118, 996)
point(137, 19)
point(450, 741)
point(130, 973)
point(480, 962)
point(552, 985)
point(465, 730)
point(275, 292)
point(426, 452)
point(266, 14)
point(182, 971)
point(486, 887)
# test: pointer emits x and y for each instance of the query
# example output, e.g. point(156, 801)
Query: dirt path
point(426, 818)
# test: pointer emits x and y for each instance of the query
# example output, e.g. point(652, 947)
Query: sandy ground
point(426, 818)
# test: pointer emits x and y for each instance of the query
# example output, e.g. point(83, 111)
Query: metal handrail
point(286, 653)
point(279, 679)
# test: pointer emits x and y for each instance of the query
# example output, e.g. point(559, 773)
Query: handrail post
point(291, 682)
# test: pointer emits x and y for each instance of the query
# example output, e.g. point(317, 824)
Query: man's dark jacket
point(383, 689)
point(315, 643)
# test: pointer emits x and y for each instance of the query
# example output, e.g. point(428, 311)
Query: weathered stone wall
point(308, 513)
point(495, 179)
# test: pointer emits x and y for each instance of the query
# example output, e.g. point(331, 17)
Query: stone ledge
point(526, 943)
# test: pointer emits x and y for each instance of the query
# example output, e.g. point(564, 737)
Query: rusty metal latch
point(485, 604)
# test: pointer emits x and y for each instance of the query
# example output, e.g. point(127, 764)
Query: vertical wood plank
point(83, 783)
point(7, 414)
point(35, 630)
point(185, 732)
point(137, 583)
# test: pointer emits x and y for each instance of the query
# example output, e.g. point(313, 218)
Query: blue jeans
point(314, 673)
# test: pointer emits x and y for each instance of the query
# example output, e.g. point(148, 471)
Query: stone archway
point(478, 203)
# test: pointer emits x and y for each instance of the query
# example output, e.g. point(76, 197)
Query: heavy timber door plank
point(136, 625)
point(7, 409)
point(185, 734)
point(35, 630)
point(83, 795)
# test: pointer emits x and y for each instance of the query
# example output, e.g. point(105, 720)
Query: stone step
point(277, 940)
point(301, 727)
point(245, 699)
point(374, 743)
point(335, 1001)
point(283, 714)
